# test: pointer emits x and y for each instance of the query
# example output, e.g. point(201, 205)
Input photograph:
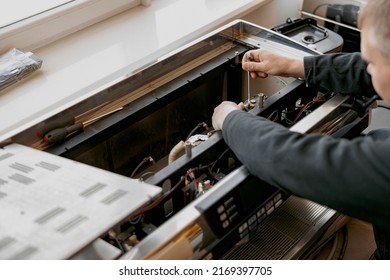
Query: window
point(18, 10)
point(27, 24)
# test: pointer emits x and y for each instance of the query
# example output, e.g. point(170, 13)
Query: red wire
point(156, 202)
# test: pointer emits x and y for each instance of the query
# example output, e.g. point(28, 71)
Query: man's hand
point(221, 111)
point(261, 63)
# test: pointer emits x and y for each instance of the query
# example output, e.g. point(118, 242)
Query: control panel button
point(252, 219)
point(277, 197)
point(220, 209)
point(243, 227)
point(269, 211)
point(223, 217)
point(269, 204)
point(260, 212)
point(225, 224)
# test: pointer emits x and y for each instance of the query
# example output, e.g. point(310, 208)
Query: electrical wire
point(180, 147)
point(383, 106)
point(156, 202)
point(136, 221)
point(276, 113)
point(287, 120)
point(319, 6)
point(145, 160)
point(117, 243)
point(182, 180)
point(316, 99)
point(141, 178)
point(199, 125)
point(176, 150)
point(212, 167)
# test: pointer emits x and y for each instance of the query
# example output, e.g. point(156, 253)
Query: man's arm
point(342, 72)
point(350, 176)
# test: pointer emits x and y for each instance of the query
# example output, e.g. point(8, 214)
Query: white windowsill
point(77, 66)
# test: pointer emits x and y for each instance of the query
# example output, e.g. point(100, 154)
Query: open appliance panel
point(167, 103)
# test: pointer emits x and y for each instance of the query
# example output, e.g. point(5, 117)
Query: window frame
point(44, 28)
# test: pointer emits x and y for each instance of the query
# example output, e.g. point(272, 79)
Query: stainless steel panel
point(52, 207)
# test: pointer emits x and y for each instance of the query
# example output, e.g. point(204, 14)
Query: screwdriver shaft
point(101, 116)
point(249, 91)
point(249, 58)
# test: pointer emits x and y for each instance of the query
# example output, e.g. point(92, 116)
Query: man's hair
point(375, 15)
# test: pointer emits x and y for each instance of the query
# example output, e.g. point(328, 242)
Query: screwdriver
point(59, 134)
point(249, 58)
point(61, 121)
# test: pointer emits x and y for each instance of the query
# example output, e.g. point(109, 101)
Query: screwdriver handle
point(59, 134)
point(47, 126)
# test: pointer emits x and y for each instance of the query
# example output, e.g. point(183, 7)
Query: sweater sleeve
point(350, 176)
point(344, 73)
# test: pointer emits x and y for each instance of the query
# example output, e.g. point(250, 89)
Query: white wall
point(274, 13)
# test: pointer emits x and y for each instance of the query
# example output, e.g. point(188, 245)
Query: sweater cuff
point(309, 65)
